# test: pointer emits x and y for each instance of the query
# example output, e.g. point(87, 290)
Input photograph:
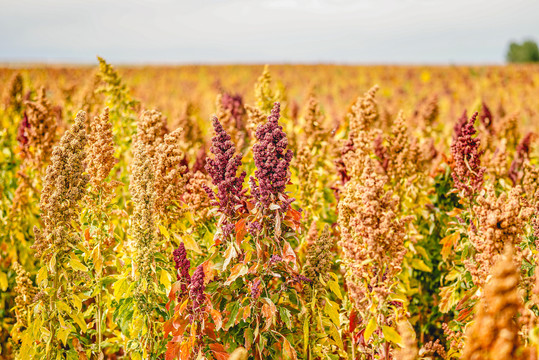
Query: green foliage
point(525, 52)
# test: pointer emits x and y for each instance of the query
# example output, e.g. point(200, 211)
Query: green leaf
point(233, 314)
point(249, 337)
point(371, 327)
point(285, 317)
point(306, 326)
point(391, 335)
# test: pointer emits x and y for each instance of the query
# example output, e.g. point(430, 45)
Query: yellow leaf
point(332, 310)
point(191, 244)
point(391, 335)
point(454, 212)
point(98, 260)
point(63, 306)
point(371, 327)
point(63, 334)
point(77, 302)
point(3, 281)
point(336, 336)
point(334, 286)
point(189, 217)
point(164, 231)
point(52, 264)
point(79, 319)
point(420, 265)
point(306, 326)
point(76, 264)
point(119, 288)
point(165, 279)
point(41, 275)
point(448, 298)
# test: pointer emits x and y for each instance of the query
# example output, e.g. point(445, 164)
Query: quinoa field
point(269, 212)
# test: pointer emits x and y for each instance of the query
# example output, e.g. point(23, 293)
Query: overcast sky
point(262, 31)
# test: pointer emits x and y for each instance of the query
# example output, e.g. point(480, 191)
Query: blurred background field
point(175, 90)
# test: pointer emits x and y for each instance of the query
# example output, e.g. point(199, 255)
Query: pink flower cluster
point(272, 160)
point(182, 265)
point(467, 171)
point(223, 168)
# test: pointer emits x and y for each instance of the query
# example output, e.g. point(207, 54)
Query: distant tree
point(522, 53)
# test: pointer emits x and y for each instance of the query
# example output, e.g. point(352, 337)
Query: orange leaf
point(217, 319)
point(448, 243)
point(207, 266)
point(219, 351)
point(240, 231)
point(173, 350)
point(217, 347)
point(87, 234)
point(185, 351)
point(288, 253)
point(79, 349)
point(246, 312)
point(236, 271)
point(289, 350)
point(294, 214)
point(176, 287)
point(209, 331)
point(268, 311)
point(168, 327)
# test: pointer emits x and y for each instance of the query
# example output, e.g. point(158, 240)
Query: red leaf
point(353, 320)
point(464, 314)
point(463, 302)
